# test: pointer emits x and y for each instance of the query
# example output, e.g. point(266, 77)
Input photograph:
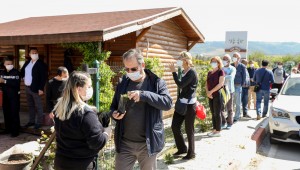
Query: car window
point(292, 87)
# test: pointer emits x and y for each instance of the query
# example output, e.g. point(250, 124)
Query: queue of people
point(139, 132)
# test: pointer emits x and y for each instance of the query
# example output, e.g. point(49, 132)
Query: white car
point(284, 119)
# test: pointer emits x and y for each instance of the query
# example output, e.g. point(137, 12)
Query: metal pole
point(96, 85)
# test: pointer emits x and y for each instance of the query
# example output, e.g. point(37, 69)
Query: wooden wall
point(164, 40)
point(118, 47)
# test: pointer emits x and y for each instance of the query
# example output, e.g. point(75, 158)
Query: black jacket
point(157, 98)
point(54, 90)
point(39, 75)
point(187, 84)
point(12, 86)
point(81, 136)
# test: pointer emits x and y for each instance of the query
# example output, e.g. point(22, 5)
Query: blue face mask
point(134, 76)
point(214, 64)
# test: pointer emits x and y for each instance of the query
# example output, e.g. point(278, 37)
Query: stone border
point(261, 132)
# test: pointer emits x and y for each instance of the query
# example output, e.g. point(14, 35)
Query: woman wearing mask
point(79, 134)
point(187, 95)
point(215, 81)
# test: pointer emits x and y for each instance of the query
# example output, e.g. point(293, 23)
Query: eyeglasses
point(132, 69)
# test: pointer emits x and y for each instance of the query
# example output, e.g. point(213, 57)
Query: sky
point(265, 20)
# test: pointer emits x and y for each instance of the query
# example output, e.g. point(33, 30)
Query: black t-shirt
point(134, 120)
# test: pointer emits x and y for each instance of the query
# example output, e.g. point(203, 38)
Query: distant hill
point(270, 48)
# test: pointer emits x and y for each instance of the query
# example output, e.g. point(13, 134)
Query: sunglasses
point(131, 69)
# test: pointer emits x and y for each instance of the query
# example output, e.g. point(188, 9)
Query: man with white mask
point(239, 80)
point(10, 84)
point(139, 132)
point(35, 76)
point(230, 72)
point(279, 76)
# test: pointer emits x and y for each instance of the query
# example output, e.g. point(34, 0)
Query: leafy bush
point(91, 52)
point(202, 68)
point(155, 66)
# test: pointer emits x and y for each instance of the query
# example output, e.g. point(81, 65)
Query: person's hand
point(108, 131)
point(134, 95)
point(172, 67)
point(117, 115)
point(209, 93)
point(51, 115)
point(41, 92)
point(2, 80)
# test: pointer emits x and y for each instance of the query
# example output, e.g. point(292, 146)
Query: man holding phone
point(139, 133)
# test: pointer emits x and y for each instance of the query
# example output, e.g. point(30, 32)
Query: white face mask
point(234, 59)
point(9, 67)
point(179, 63)
point(225, 62)
point(279, 66)
point(34, 56)
point(88, 94)
point(135, 75)
point(251, 65)
point(214, 64)
point(64, 79)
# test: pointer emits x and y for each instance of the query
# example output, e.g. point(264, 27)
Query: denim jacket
point(240, 76)
point(230, 72)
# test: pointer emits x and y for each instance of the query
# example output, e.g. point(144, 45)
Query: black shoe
point(13, 135)
point(264, 116)
point(188, 157)
point(5, 132)
point(28, 125)
point(179, 153)
point(234, 121)
point(247, 116)
point(37, 126)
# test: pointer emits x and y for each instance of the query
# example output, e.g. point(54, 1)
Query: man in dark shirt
point(139, 133)
point(264, 77)
point(55, 88)
point(10, 83)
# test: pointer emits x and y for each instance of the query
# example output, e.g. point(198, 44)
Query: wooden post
point(140, 36)
point(42, 153)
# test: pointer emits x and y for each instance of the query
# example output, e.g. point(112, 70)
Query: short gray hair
point(136, 53)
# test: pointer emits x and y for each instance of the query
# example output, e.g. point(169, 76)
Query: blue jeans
point(259, 95)
point(237, 96)
point(245, 100)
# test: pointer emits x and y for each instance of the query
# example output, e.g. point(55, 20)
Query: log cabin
point(162, 32)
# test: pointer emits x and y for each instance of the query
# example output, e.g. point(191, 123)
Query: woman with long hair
point(79, 134)
point(187, 96)
point(215, 81)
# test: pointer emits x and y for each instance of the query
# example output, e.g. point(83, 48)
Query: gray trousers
point(35, 106)
point(132, 151)
point(228, 118)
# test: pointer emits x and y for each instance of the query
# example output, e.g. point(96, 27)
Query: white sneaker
point(217, 134)
point(210, 133)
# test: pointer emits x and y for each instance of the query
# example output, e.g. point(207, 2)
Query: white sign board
point(236, 41)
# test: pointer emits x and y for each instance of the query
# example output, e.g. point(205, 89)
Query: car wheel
point(273, 141)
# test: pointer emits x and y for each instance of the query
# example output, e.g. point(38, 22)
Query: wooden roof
point(91, 27)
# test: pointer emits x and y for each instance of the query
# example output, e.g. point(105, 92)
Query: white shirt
point(28, 73)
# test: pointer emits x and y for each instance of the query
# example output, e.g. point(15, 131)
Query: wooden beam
point(51, 38)
point(140, 36)
point(192, 45)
